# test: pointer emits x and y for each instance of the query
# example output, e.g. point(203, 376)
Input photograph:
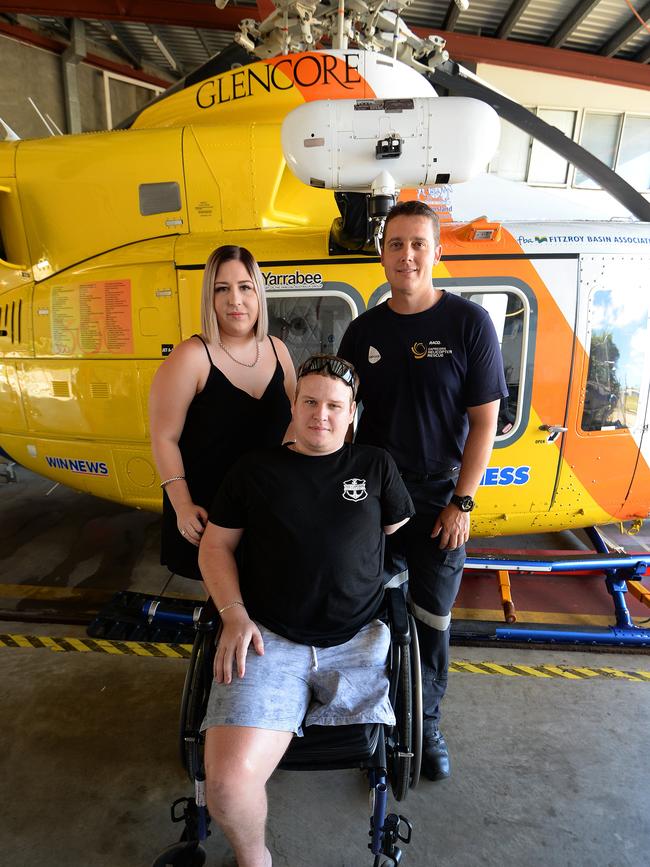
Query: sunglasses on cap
point(332, 365)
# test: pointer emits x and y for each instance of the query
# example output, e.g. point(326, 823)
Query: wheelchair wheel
point(195, 692)
point(182, 855)
point(416, 680)
point(401, 752)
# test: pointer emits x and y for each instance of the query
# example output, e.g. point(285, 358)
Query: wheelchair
point(390, 755)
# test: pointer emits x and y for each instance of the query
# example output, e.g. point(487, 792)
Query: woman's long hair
point(209, 323)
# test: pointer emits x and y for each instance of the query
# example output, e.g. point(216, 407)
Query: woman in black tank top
point(218, 395)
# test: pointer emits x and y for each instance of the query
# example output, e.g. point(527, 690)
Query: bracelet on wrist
point(173, 479)
point(229, 605)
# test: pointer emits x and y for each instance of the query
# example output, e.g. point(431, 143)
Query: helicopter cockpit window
point(617, 372)
point(159, 198)
point(308, 324)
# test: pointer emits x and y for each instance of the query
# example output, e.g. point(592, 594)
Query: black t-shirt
point(312, 550)
point(419, 372)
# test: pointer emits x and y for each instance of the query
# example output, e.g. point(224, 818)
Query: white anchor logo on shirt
point(355, 490)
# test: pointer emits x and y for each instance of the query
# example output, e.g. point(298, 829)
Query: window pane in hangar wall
point(618, 358)
point(511, 160)
point(634, 153)
point(547, 167)
point(599, 136)
point(309, 323)
point(127, 97)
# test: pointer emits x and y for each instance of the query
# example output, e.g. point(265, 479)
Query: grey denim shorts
point(295, 684)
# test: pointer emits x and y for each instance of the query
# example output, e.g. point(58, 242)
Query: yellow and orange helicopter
point(294, 151)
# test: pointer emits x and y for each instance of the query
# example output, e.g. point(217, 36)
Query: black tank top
point(223, 422)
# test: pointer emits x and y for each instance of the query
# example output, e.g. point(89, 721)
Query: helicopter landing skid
point(623, 572)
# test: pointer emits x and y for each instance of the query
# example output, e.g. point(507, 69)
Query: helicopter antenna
point(9, 135)
point(40, 114)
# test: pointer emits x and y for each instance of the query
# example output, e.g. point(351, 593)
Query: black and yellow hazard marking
point(99, 645)
point(567, 672)
point(183, 651)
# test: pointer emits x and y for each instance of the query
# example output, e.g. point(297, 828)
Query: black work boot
point(435, 756)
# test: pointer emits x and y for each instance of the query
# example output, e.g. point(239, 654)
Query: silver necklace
point(243, 363)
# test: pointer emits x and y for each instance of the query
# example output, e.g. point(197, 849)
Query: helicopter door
point(610, 392)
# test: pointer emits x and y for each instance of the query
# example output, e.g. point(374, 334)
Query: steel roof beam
point(512, 16)
point(119, 43)
point(178, 12)
point(626, 32)
point(264, 9)
point(169, 55)
point(644, 55)
point(453, 13)
point(465, 48)
point(571, 23)
point(204, 44)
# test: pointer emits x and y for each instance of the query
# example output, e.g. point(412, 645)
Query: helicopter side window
point(617, 360)
point(159, 198)
point(508, 313)
point(308, 324)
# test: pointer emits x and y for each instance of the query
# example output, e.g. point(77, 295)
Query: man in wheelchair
point(300, 638)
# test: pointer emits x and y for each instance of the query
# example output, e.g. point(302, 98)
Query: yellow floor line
point(531, 671)
point(561, 672)
point(182, 651)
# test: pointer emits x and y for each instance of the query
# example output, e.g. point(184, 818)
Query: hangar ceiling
point(604, 39)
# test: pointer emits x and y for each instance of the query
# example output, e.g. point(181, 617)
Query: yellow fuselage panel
point(73, 206)
point(120, 305)
point(100, 332)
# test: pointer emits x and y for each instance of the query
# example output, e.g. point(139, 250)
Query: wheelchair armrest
point(208, 618)
point(398, 615)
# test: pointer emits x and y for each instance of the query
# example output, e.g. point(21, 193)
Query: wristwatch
point(465, 504)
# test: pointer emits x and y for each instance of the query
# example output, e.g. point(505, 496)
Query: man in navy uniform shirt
point(431, 377)
point(299, 606)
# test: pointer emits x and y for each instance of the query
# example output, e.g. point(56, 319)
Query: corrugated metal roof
point(483, 17)
point(540, 21)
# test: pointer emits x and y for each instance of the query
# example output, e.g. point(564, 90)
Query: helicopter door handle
point(554, 431)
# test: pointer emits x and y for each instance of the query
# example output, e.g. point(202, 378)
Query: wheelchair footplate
point(395, 829)
point(188, 852)
point(386, 830)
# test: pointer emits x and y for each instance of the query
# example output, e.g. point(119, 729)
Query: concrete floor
point(548, 772)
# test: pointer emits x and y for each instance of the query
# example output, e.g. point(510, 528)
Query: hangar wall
point(26, 70)
point(612, 121)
